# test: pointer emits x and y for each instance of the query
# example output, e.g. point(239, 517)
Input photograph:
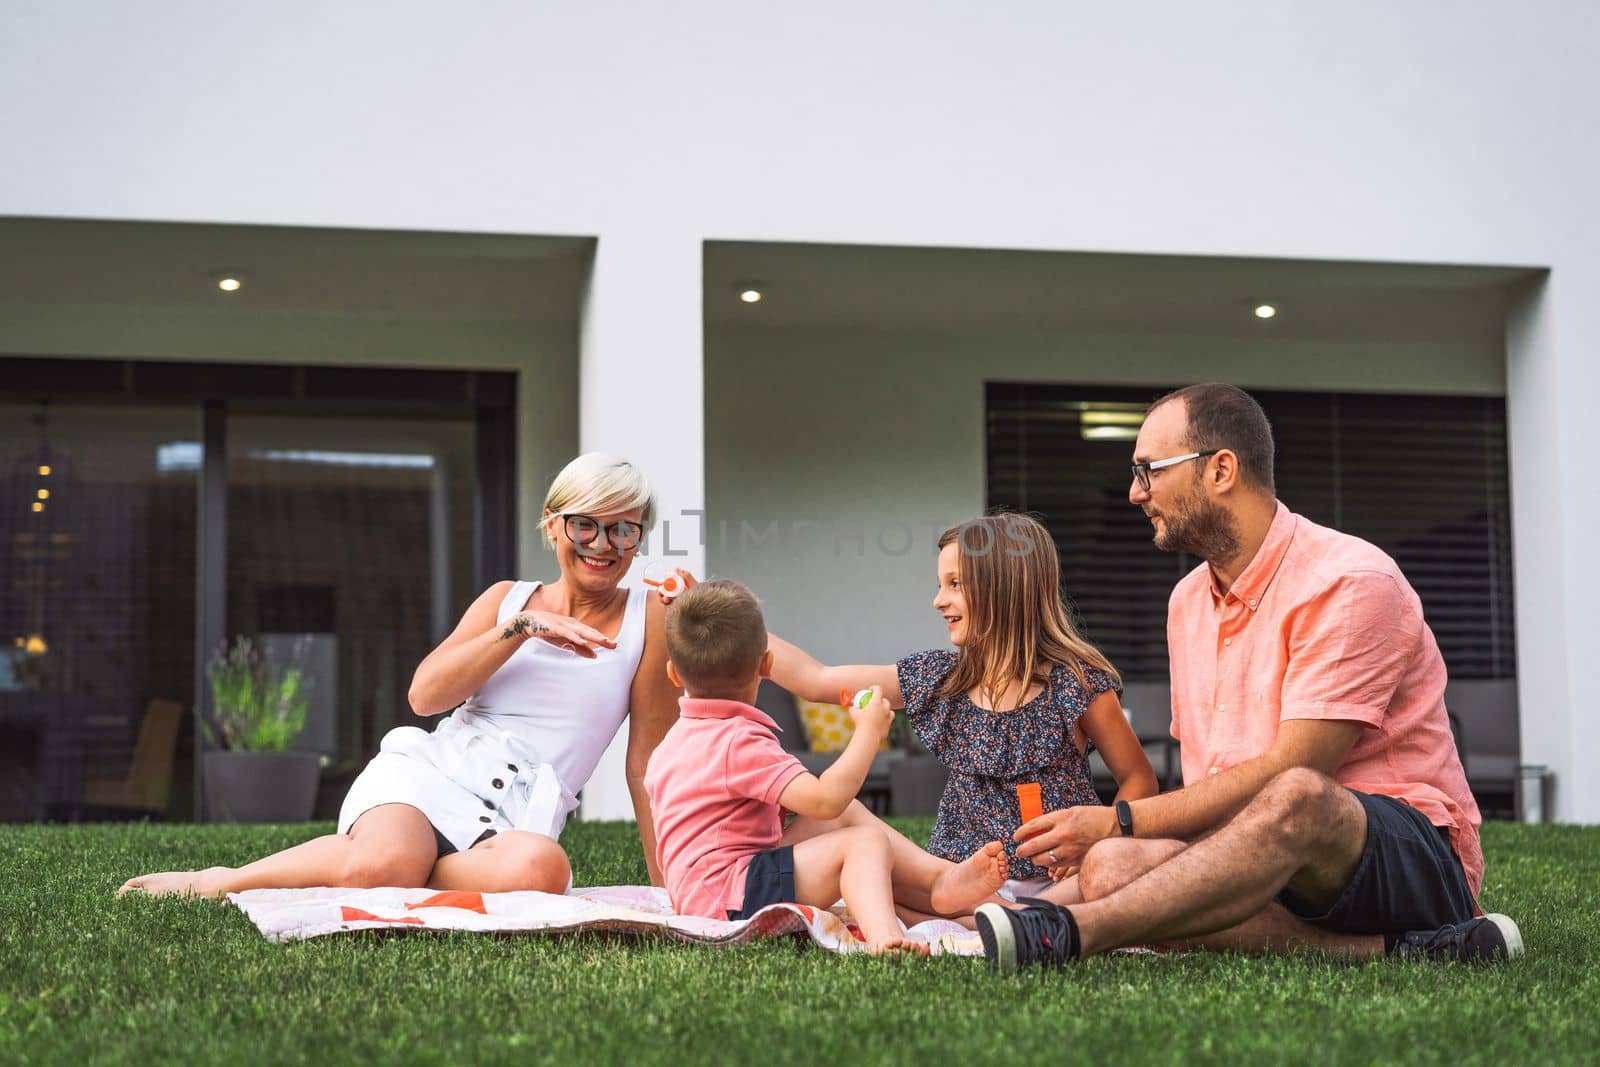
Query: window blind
point(1423, 477)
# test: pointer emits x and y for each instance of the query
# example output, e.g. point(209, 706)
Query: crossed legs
point(924, 886)
point(1301, 831)
point(390, 845)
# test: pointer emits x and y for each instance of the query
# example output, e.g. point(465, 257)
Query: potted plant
point(258, 708)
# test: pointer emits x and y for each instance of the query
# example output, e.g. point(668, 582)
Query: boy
point(719, 783)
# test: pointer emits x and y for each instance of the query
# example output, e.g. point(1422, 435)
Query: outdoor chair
point(143, 792)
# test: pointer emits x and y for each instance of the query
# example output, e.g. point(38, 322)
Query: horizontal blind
point(1422, 477)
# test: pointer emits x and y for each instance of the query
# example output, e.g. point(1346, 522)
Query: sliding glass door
point(349, 548)
point(97, 581)
point(151, 511)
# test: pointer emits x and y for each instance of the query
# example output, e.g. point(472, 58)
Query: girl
point(1020, 700)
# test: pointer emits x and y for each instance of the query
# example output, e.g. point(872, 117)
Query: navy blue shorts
point(1408, 878)
point(770, 880)
point(446, 848)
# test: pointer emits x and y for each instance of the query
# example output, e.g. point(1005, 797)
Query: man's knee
point(1297, 804)
point(1114, 862)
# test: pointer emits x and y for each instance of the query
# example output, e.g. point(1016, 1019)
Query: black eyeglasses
point(624, 535)
point(1141, 471)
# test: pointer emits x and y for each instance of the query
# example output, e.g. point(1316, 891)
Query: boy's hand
point(876, 717)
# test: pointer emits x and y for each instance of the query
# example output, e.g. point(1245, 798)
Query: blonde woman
point(533, 683)
point(1019, 700)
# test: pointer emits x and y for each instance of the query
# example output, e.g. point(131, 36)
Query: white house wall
point(1431, 132)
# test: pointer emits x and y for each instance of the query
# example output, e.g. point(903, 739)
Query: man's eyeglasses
point(1141, 471)
point(623, 535)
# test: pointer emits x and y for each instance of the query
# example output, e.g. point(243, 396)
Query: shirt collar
point(709, 708)
point(1251, 585)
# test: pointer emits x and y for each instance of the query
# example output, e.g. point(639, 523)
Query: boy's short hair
point(716, 638)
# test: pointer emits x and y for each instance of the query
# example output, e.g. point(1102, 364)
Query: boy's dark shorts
point(1408, 877)
point(770, 880)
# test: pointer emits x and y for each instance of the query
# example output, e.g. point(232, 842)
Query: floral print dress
point(990, 753)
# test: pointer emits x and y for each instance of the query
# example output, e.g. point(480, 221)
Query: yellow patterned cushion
point(828, 726)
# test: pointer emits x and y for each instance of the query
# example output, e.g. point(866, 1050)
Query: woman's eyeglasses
point(624, 535)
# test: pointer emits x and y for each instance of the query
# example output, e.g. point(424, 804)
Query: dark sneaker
point(1015, 938)
point(1480, 940)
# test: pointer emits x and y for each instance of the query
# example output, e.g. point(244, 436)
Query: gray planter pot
point(260, 786)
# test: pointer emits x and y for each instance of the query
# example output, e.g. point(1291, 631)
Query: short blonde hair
point(716, 638)
point(598, 484)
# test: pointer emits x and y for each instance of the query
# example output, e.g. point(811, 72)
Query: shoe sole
point(1000, 941)
point(1508, 930)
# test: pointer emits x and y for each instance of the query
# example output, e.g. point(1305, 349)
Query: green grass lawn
point(85, 977)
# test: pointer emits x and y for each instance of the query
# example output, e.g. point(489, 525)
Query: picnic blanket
point(633, 910)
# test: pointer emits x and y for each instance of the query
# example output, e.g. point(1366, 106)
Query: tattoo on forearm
point(522, 626)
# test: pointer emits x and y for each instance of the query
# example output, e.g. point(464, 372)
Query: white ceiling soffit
point(962, 290)
point(293, 269)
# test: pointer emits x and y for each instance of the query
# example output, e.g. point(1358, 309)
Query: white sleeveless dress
point(515, 754)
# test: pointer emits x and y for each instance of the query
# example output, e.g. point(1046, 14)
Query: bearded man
point(1324, 804)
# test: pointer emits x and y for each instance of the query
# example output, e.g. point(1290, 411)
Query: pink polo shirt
point(714, 783)
point(1321, 625)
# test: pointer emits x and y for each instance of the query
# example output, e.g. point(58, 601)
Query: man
point(1324, 804)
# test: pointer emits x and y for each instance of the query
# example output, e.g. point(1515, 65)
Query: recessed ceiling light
point(229, 283)
point(44, 494)
point(1265, 311)
point(44, 470)
point(37, 507)
point(750, 296)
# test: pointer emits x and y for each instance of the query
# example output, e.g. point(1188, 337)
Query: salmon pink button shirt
point(714, 783)
point(1320, 625)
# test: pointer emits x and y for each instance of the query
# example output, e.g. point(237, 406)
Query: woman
point(538, 679)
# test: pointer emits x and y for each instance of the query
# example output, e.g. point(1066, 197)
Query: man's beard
point(1200, 528)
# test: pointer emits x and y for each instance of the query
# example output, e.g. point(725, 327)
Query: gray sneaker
point(1482, 940)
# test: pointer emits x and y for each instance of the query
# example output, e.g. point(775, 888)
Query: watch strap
point(1125, 818)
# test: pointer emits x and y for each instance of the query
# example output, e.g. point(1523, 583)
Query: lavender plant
point(255, 705)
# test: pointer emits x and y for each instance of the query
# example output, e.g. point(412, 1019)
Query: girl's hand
point(563, 631)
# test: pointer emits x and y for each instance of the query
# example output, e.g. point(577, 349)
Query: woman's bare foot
point(899, 946)
point(972, 881)
point(207, 883)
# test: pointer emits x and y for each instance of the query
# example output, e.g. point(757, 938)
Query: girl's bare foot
point(972, 881)
point(899, 946)
point(206, 883)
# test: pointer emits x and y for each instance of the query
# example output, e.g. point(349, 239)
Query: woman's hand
point(686, 582)
point(563, 631)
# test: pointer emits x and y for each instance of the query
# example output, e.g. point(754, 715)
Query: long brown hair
point(1018, 628)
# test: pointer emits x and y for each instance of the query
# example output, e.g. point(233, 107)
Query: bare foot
point(899, 946)
point(206, 883)
point(972, 881)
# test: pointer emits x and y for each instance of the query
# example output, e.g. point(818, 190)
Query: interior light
point(35, 645)
point(44, 470)
point(37, 507)
point(750, 296)
point(1265, 311)
point(1108, 420)
point(44, 494)
point(228, 283)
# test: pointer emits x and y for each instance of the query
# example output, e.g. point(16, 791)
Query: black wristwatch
point(1125, 818)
